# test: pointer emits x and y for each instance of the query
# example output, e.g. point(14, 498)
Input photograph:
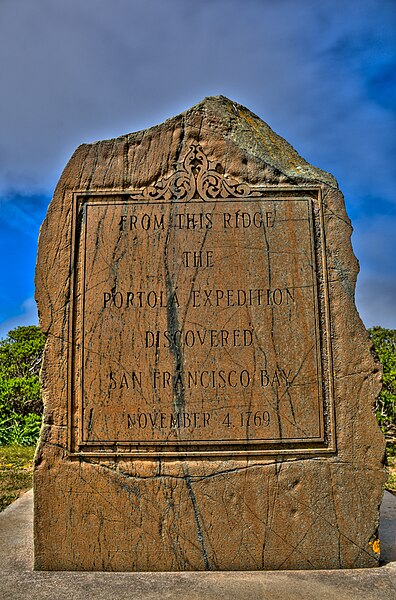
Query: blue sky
point(321, 73)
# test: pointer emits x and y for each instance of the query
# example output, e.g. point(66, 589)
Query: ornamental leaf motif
point(195, 178)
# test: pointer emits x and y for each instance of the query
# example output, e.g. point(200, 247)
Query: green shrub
point(384, 343)
point(20, 361)
point(21, 430)
point(21, 404)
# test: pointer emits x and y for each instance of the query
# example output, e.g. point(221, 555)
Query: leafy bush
point(21, 404)
point(21, 430)
point(20, 361)
point(384, 342)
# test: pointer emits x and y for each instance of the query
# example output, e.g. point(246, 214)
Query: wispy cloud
point(22, 213)
point(79, 71)
point(26, 315)
point(375, 298)
point(374, 242)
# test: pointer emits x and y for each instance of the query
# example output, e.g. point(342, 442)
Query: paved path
point(18, 581)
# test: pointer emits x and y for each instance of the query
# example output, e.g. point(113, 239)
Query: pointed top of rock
point(257, 139)
point(249, 147)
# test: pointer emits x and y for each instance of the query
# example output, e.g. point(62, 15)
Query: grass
point(391, 470)
point(16, 472)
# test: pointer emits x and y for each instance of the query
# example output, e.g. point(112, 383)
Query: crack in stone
point(197, 521)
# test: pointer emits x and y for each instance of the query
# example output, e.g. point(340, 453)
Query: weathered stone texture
point(299, 489)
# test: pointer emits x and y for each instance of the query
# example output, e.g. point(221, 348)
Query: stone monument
point(208, 383)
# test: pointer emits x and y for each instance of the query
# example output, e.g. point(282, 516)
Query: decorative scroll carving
point(196, 178)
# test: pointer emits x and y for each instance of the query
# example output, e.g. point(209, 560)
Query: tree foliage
point(21, 405)
point(384, 342)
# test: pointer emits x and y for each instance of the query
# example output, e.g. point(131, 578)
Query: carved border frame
point(197, 180)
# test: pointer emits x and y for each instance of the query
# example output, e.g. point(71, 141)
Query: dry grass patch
point(391, 472)
point(16, 472)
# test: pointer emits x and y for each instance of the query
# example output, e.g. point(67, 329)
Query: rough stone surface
point(17, 576)
point(208, 382)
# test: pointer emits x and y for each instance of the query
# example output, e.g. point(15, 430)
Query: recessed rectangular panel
point(201, 327)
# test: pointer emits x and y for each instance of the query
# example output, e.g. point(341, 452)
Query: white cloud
point(77, 71)
point(375, 299)
point(374, 244)
point(26, 316)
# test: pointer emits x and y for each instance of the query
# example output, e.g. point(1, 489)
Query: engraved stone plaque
point(207, 381)
point(204, 317)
